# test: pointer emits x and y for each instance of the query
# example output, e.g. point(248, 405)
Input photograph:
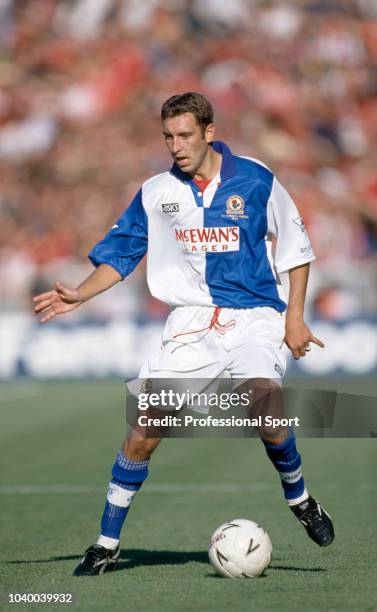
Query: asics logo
point(170, 207)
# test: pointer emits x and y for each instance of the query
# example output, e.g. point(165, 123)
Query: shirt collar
point(228, 163)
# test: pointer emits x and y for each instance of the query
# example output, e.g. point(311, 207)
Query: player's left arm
point(298, 336)
point(293, 254)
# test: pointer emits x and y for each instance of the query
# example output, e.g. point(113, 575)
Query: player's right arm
point(62, 299)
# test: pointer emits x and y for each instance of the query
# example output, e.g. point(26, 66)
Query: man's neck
point(210, 167)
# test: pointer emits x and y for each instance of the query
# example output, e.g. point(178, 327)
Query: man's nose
point(176, 147)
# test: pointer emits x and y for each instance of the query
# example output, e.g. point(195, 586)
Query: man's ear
point(209, 132)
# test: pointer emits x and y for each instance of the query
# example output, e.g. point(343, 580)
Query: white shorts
point(245, 343)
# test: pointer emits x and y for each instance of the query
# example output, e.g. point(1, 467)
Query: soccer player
point(208, 225)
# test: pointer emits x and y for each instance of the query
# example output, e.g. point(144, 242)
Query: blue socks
point(128, 476)
point(287, 462)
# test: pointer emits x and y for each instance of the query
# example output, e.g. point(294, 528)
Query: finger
point(296, 353)
point(43, 296)
point(317, 341)
point(66, 294)
point(61, 288)
point(48, 316)
point(42, 306)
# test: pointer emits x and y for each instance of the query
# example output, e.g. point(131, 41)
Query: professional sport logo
point(235, 205)
point(208, 239)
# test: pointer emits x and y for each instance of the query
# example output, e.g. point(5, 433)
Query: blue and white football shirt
point(211, 248)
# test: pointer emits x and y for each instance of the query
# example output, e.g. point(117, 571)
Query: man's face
point(187, 143)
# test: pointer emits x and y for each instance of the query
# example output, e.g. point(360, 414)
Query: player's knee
point(274, 436)
point(139, 449)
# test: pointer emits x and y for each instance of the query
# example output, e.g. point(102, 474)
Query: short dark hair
point(189, 102)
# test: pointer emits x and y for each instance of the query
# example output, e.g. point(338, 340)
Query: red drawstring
point(220, 328)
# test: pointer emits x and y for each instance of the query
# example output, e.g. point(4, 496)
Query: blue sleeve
point(127, 241)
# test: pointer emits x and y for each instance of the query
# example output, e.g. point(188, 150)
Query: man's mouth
point(182, 160)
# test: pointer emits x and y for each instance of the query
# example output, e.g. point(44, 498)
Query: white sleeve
point(293, 246)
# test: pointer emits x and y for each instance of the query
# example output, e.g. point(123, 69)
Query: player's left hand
point(298, 338)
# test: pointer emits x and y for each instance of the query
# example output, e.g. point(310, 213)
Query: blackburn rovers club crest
point(235, 207)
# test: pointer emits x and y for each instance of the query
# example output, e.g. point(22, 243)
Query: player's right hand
point(56, 302)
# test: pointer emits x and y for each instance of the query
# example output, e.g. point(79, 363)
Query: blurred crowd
point(81, 85)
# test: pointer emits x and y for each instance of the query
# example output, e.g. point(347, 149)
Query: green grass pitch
point(58, 442)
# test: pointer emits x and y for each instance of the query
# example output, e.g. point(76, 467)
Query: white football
point(240, 549)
